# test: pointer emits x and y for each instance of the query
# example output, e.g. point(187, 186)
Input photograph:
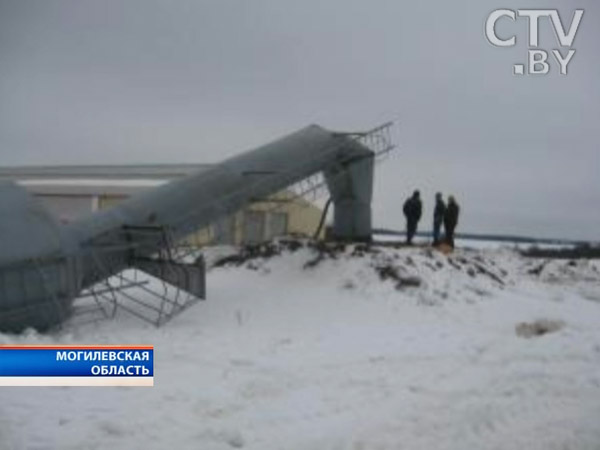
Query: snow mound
point(424, 275)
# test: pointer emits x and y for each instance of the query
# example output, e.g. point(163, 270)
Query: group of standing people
point(446, 214)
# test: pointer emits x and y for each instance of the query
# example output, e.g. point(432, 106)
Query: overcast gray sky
point(147, 81)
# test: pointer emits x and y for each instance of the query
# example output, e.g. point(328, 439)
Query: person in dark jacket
point(412, 211)
point(451, 220)
point(438, 217)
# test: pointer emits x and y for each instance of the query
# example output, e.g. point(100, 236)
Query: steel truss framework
point(179, 267)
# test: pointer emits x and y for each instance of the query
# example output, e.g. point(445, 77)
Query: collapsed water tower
point(42, 274)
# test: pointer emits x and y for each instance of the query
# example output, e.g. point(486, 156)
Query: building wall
point(108, 201)
point(302, 216)
point(281, 216)
point(298, 218)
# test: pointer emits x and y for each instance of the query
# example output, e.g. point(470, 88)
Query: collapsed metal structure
point(45, 265)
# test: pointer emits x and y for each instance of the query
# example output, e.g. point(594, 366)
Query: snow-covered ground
point(383, 349)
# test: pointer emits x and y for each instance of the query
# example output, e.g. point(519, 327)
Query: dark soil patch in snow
point(249, 253)
point(389, 272)
point(483, 271)
point(363, 249)
point(538, 327)
point(292, 245)
point(538, 269)
point(454, 264)
point(324, 250)
point(476, 266)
